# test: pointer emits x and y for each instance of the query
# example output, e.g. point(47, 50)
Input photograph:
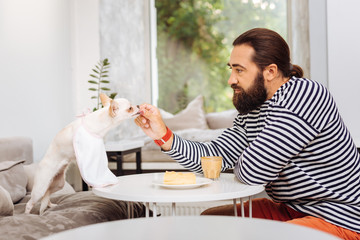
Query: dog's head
point(119, 108)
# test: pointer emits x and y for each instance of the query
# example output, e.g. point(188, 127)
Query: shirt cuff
point(173, 145)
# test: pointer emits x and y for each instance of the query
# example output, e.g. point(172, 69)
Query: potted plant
point(99, 79)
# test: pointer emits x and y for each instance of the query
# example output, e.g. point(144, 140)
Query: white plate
point(200, 181)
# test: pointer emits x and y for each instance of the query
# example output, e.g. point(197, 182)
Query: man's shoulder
point(302, 90)
point(304, 96)
point(305, 84)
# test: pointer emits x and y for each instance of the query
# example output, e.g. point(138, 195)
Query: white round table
point(193, 228)
point(141, 188)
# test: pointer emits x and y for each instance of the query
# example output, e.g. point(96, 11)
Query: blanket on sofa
point(73, 210)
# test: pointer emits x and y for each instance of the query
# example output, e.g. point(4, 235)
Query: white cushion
point(165, 114)
point(222, 119)
point(193, 116)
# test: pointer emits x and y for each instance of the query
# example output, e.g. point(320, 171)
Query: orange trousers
point(267, 209)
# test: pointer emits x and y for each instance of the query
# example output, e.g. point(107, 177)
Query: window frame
point(292, 14)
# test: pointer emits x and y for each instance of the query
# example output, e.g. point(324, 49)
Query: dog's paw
point(52, 205)
point(28, 207)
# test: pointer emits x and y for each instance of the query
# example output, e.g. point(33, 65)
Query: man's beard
point(244, 101)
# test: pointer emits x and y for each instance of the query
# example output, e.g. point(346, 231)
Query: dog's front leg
point(29, 206)
point(45, 202)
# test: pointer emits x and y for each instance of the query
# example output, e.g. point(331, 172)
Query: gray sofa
point(74, 209)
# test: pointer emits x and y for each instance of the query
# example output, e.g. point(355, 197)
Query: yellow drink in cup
point(211, 166)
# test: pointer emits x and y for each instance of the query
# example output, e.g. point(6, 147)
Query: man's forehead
point(241, 55)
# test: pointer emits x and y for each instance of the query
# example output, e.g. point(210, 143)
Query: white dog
point(50, 175)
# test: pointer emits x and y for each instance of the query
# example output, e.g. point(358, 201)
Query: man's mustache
point(235, 87)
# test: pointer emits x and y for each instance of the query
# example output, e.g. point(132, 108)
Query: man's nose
point(232, 79)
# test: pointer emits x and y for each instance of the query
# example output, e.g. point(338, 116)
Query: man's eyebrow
point(236, 65)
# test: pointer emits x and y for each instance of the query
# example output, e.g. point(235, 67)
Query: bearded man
point(288, 136)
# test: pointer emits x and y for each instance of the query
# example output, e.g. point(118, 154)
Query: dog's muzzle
point(137, 113)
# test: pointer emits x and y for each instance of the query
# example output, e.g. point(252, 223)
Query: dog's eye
point(130, 109)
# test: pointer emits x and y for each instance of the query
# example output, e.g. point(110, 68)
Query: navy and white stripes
point(298, 146)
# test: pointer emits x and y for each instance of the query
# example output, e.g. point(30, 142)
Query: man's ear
point(271, 72)
point(105, 100)
point(114, 108)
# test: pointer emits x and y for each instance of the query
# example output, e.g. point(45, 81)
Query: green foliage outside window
point(194, 44)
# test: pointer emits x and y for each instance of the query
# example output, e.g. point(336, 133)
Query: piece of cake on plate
point(179, 178)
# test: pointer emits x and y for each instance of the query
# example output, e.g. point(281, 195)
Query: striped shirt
point(297, 145)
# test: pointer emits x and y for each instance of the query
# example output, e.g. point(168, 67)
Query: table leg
point(119, 161)
point(85, 187)
point(250, 206)
point(118, 157)
point(242, 208)
point(154, 210)
point(235, 208)
point(147, 212)
point(173, 209)
point(138, 162)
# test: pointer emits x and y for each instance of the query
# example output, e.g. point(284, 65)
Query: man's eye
point(239, 70)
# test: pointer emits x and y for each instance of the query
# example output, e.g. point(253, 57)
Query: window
point(194, 41)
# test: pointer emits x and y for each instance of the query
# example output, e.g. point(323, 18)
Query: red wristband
point(165, 138)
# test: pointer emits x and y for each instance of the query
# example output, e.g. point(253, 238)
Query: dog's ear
point(114, 108)
point(105, 100)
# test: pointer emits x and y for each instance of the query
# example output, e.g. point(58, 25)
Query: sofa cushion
point(16, 148)
point(6, 204)
point(30, 171)
point(13, 179)
point(165, 114)
point(193, 116)
point(222, 119)
point(72, 211)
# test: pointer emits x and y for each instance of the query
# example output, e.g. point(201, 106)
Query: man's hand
point(152, 124)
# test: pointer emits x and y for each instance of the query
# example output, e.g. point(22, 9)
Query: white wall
point(85, 50)
point(40, 88)
point(36, 92)
point(334, 51)
point(343, 60)
point(318, 41)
